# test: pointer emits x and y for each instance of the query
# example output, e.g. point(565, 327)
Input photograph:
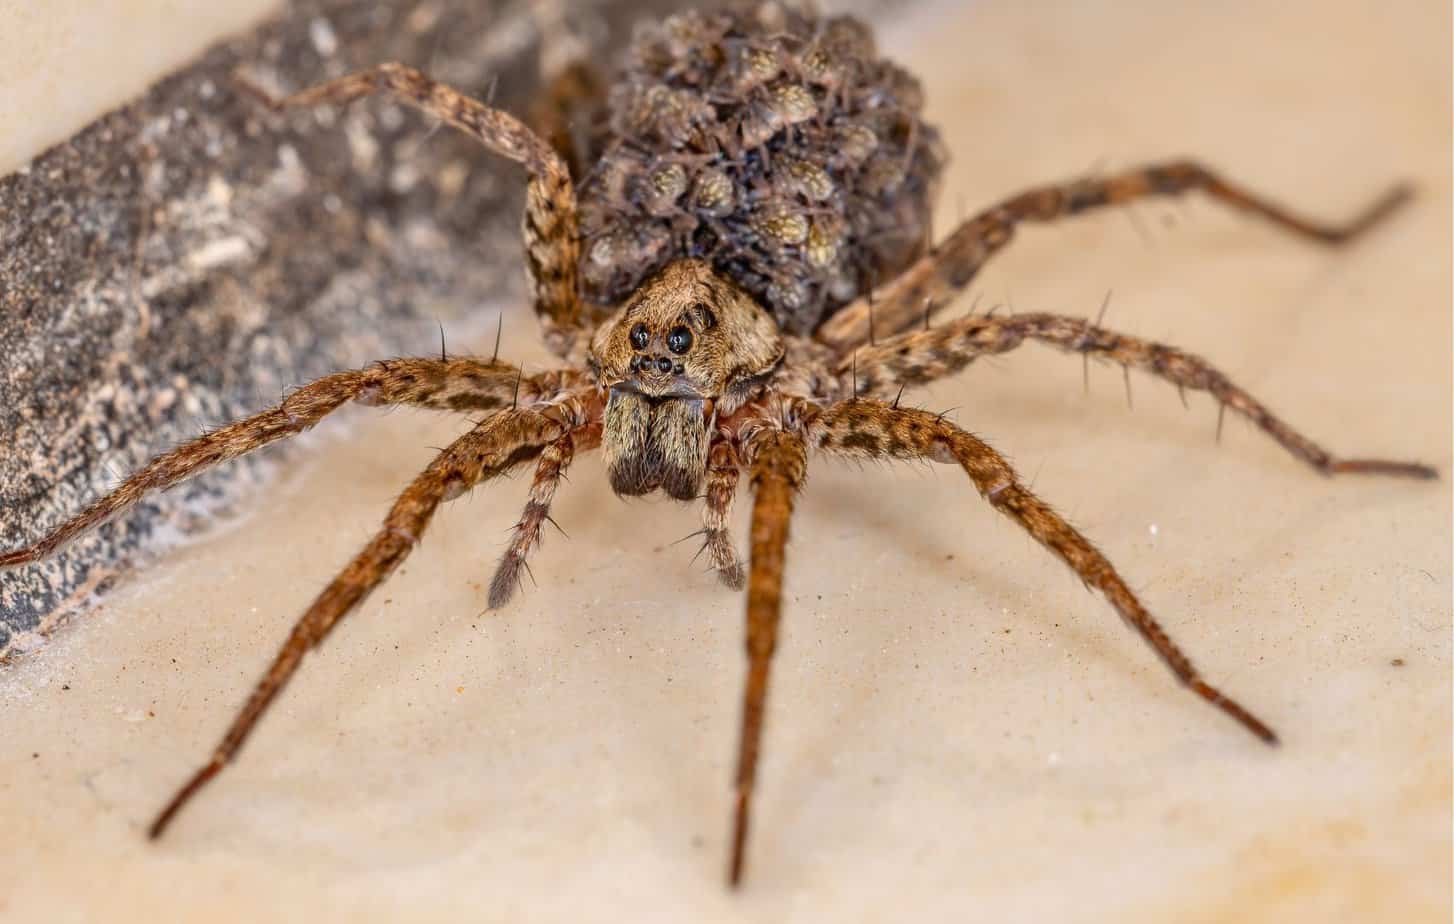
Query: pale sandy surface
point(958, 731)
point(64, 63)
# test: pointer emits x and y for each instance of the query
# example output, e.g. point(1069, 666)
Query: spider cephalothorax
point(687, 345)
point(703, 368)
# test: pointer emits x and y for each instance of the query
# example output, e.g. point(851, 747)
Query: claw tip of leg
point(502, 588)
point(733, 578)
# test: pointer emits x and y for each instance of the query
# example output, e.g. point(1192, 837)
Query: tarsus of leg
point(495, 446)
point(955, 261)
point(919, 357)
point(550, 470)
point(866, 429)
point(464, 385)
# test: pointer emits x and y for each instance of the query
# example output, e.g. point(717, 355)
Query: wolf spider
point(691, 382)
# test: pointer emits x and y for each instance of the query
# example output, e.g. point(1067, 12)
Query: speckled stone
point(185, 258)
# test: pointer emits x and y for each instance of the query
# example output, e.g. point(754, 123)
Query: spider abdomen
point(772, 144)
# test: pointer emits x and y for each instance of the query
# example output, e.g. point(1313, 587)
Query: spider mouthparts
point(655, 394)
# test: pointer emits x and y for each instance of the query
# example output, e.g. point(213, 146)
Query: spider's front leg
point(462, 385)
point(778, 460)
point(493, 447)
point(920, 357)
point(551, 224)
point(865, 429)
point(953, 263)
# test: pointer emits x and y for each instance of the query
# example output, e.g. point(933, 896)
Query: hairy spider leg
point(550, 470)
point(497, 445)
point(867, 429)
point(723, 472)
point(778, 461)
point(919, 357)
point(933, 279)
point(573, 92)
point(551, 224)
point(461, 385)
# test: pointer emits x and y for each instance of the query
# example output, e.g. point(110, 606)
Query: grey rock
point(184, 259)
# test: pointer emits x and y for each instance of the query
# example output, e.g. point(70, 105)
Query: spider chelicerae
point(746, 277)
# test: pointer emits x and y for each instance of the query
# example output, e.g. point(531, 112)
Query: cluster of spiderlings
point(773, 144)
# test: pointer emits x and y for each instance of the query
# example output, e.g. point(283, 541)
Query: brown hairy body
point(742, 346)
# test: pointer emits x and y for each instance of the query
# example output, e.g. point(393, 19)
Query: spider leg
point(564, 113)
point(549, 470)
point(497, 445)
point(779, 463)
point(951, 265)
point(573, 93)
point(922, 356)
point(871, 429)
point(552, 239)
point(452, 384)
point(723, 471)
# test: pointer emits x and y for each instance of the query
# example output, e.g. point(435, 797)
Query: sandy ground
point(957, 730)
point(64, 64)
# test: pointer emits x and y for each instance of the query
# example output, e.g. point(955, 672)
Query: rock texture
point(186, 257)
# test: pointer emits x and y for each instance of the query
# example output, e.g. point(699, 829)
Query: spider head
point(687, 333)
point(686, 345)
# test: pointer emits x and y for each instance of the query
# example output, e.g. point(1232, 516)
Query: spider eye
point(709, 320)
point(679, 340)
point(639, 336)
